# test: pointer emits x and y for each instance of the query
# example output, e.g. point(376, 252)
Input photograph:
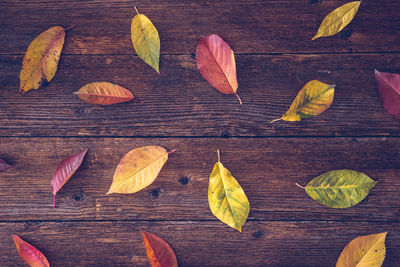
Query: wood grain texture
point(249, 26)
point(300, 244)
point(267, 170)
point(180, 102)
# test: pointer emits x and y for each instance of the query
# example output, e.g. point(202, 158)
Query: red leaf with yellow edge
point(29, 253)
point(4, 165)
point(216, 62)
point(104, 93)
point(158, 251)
point(389, 90)
point(65, 170)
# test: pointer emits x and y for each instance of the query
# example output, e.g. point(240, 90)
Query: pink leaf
point(4, 165)
point(31, 255)
point(389, 90)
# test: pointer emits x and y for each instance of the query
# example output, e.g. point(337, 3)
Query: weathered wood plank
point(297, 244)
point(179, 102)
point(266, 168)
point(250, 26)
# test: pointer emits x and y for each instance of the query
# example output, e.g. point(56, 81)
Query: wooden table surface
point(275, 57)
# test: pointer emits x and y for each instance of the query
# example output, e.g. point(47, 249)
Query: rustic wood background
point(275, 57)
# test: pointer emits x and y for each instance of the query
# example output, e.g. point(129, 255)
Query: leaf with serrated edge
point(226, 198)
point(41, 59)
point(138, 169)
point(4, 165)
point(64, 172)
point(104, 93)
point(216, 62)
point(339, 18)
point(31, 255)
point(145, 40)
point(340, 188)
point(159, 252)
point(364, 251)
point(389, 90)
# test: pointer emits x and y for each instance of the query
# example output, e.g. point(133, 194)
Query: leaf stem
point(137, 11)
point(238, 97)
point(70, 27)
point(54, 202)
point(172, 151)
point(300, 186)
point(276, 120)
point(219, 159)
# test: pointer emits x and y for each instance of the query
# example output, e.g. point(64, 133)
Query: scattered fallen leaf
point(216, 62)
point(41, 59)
point(31, 255)
point(104, 93)
point(145, 40)
point(138, 169)
point(339, 18)
point(364, 251)
point(4, 165)
point(313, 99)
point(158, 251)
point(389, 90)
point(339, 188)
point(65, 170)
point(226, 198)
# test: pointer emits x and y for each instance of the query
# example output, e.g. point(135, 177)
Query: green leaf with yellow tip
point(313, 99)
point(145, 40)
point(340, 188)
point(226, 197)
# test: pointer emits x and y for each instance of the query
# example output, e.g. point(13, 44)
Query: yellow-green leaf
point(226, 197)
point(138, 169)
point(339, 18)
point(313, 99)
point(145, 40)
point(364, 251)
point(340, 188)
point(41, 59)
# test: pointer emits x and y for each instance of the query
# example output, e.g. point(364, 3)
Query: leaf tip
point(315, 37)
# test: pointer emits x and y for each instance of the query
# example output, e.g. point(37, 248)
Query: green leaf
point(340, 188)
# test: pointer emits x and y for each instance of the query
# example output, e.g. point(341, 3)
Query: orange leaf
point(29, 253)
point(216, 62)
point(158, 251)
point(104, 93)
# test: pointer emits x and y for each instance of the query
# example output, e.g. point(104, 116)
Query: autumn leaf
point(104, 93)
point(339, 18)
point(364, 251)
point(339, 188)
point(389, 90)
point(138, 169)
point(31, 255)
point(4, 165)
point(145, 40)
point(158, 251)
point(65, 170)
point(226, 198)
point(41, 59)
point(216, 62)
point(313, 99)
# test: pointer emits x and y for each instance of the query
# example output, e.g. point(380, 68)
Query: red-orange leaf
point(29, 253)
point(4, 165)
point(389, 90)
point(104, 93)
point(158, 251)
point(65, 170)
point(216, 62)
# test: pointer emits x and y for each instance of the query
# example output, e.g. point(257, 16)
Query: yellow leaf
point(339, 18)
point(41, 59)
point(138, 169)
point(364, 251)
point(226, 197)
point(313, 99)
point(145, 40)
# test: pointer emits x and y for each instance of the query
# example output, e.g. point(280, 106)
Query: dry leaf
point(31, 255)
point(340, 188)
point(65, 170)
point(226, 198)
point(216, 62)
point(389, 90)
point(41, 59)
point(364, 251)
point(313, 99)
point(104, 93)
point(158, 251)
point(339, 18)
point(4, 165)
point(138, 169)
point(145, 40)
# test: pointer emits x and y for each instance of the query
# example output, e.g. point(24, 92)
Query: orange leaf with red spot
point(29, 253)
point(158, 251)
